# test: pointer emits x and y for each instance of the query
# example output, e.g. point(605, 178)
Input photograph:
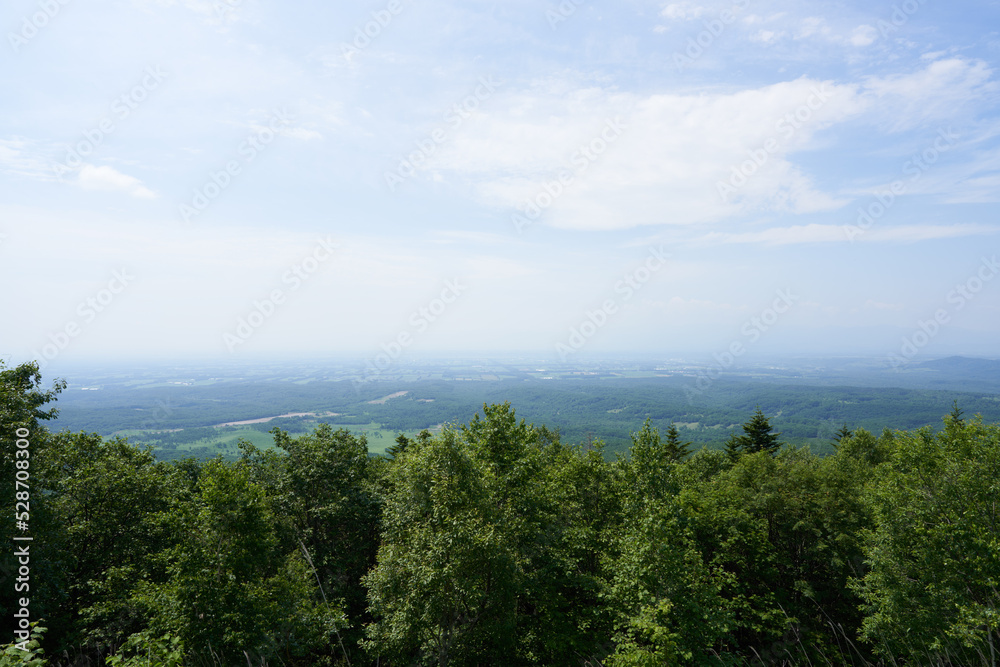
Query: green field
point(225, 441)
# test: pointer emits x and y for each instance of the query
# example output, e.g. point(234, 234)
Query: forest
point(182, 421)
point(497, 541)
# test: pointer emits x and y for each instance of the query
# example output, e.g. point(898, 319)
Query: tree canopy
point(495, 541)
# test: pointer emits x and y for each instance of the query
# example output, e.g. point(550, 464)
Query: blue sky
point(227, 178)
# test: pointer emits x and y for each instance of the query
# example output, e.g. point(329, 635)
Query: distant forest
point(498, 542)
point(583, 410)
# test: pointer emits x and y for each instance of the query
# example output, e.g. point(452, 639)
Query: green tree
point(677, 450)
point(324, 493)
point(747, 560)
point(562, 616)
point(402, 442)
point(445, 585)
point(757, 437)
point(22, 403)
point(650, 465)
point(931, 592)
point(491, 548)
point(733, 447)
point(956, 413)
point(667, 600)
point(104, 506)
point(234, 589)
point(21, 399)
point(792, 592)
point(843, 433)
point(866, 448)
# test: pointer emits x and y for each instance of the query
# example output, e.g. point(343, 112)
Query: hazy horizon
point(718, 362)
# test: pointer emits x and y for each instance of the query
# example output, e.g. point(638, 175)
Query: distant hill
point(965, 365)
point(970, 373)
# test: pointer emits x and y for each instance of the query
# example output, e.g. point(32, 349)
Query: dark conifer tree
point(734, 447)
point(677, 450)
point(757, 436)
point(956, 413)
point(402, 442)
point(842, 433)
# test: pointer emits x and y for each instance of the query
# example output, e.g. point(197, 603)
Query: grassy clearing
point(225, 442)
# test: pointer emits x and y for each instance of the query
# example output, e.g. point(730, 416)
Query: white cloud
point(795, 234)
point(681, 159)
point(766, 36)
point(21, 157)
point(863, 35)
point(974, 190)
point(667, 162)
point(914, 233)
point(683, 11)
point(818, 233)
point(814, 26)
point(109, 179)
point(937, 92)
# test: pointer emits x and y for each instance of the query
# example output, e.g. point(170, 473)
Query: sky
point(235, 179)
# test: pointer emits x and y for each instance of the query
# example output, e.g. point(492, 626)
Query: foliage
point(232, 586)
point(562, 619)
point(757, 437)
point(931, 593)
point(444, 586)
point(32, 655)
point(22, 400)
point(21, 397)
point(843, 433)
point(677, 449)
point(668, 600)
point(104, 503)
point(144, 650)
point(498, 541)
point(323, 491)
